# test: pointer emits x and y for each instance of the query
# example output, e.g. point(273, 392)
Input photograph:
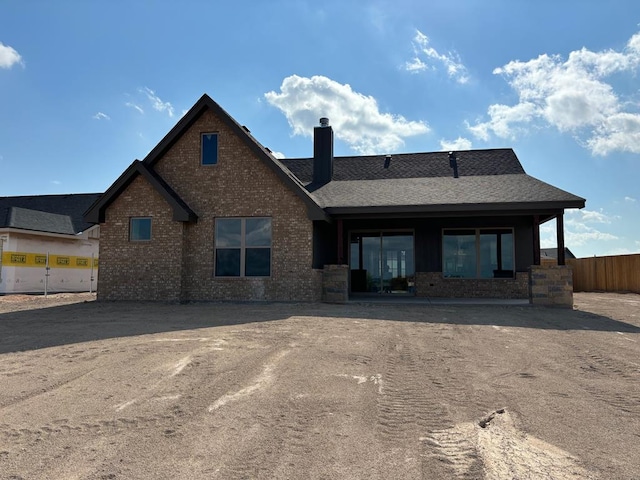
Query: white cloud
point(9, 57)
point(589, 216)
point(56, 182)
point(101, 116)
point(156, 102)
point(425, 56)
point(578, 229)
point(457, 144)
point(572, 96)
point(630, 199)
point(134, 106)
point(278, 154)
point(580, 238)
point(355, 117)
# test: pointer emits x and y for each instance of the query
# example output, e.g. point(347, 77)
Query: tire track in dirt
point(599, 367)
point(63, 427)
point(627, 401)
point(406, 408)
point(253, 440)
point(600, 362)
point(414, 408)
point(47, 388)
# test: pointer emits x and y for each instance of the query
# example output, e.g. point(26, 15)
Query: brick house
point(211, 214)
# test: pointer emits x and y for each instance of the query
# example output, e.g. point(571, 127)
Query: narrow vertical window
point(140, 229)
point(209, 149)
point(228, 236)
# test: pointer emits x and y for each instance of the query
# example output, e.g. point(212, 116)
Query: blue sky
point(86, 87)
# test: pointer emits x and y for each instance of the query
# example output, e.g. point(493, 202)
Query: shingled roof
point(443, 194)
point(488, 180)
point(47, 213)
point(501, 161)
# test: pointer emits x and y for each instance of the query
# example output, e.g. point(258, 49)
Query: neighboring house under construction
point(45, 244)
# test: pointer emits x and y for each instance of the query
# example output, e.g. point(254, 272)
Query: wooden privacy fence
point(619, 273)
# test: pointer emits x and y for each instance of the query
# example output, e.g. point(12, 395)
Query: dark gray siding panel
point(428, 236)
point(325, 245)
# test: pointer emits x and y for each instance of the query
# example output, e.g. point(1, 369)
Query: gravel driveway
point(93, 390)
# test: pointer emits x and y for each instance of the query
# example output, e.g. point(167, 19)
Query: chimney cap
point(324, 122)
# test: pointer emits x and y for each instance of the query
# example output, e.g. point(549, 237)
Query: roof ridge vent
point(453, 163)
point(387, 161)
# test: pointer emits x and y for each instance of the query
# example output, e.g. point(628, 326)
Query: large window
point(382, 262)
point(140, 229)
point(478, 253)
point(243, 247)
point(209, 149)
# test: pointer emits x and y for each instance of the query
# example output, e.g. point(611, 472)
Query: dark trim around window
point(140, 229)
point(208, 148)
point(242, 247)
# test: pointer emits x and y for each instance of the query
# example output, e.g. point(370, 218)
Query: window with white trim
point(478, 253)
point(243, 247)
point(140, 229)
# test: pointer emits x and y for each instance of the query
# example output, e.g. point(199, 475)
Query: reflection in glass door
point(382, 262)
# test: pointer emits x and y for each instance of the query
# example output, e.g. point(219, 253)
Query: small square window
point(209, 149)
point(140, 229)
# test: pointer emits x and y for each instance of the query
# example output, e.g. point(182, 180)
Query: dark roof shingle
point(444, 194)
point(23, 210)
point(501, 161)
point(26, 219)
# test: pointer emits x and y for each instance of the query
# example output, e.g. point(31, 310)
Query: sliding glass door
point(382, 262)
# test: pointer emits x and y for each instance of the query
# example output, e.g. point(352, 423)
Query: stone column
point(551, 285)
point(335, 284)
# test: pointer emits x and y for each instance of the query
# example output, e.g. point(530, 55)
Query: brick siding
point(239, 185)
point(140, 270)
point(432, 284)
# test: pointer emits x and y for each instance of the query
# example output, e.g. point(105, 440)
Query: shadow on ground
point(89, 321)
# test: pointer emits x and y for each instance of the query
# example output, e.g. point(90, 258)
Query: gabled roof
point(47, 213)
point(489, 180)
point(502, 161)
point(181, 211)
point(206, 102)
point(96, 213)
point(443, 195)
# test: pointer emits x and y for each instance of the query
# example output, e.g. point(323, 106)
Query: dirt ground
point(93, 390)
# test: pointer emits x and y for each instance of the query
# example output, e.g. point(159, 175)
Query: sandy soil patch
point(93, 390)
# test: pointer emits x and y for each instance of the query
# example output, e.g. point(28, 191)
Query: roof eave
point(314, 211)
point(181, 211)
point(457, 209)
